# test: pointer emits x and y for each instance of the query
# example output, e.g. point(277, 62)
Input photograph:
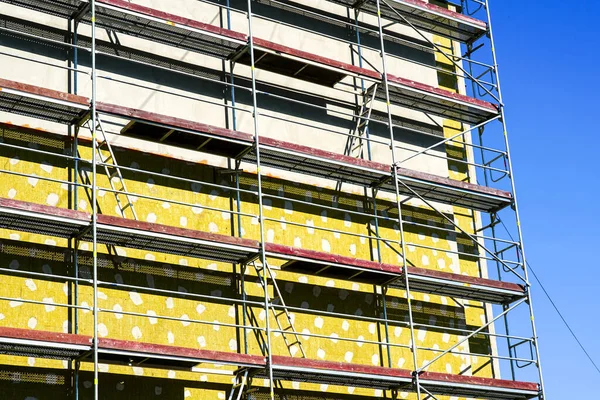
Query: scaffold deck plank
point(437, 101)
point(54, 345)
point(172, 30)
point(164, 356)
point(18, 341)
point(451, 191)
point(180, 132)
point(372, 272)
point(124, 232)
point(426, 16)
point(42, 219)
point(24, 99)
point(118, 231)
point(58, 8)
point(339, 373)
point(303, 159)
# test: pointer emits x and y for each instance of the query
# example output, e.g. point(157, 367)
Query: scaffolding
point(389, 188)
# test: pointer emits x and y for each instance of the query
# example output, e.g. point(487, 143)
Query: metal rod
point(400, 222)
point(263, 257)
point(94, 202)
point(75, 154)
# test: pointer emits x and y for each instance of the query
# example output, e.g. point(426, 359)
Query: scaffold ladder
point(355, 142)
point(242, 379)
point(286, 327)
point(113, 173)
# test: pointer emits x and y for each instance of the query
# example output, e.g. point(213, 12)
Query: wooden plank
point(175, 231)
point(172, 19)
point(45, 336)
point(43, 92)
point(450, 96)
point(45, 210)
point(174, 122)
point(175, 351)
point(446, 12)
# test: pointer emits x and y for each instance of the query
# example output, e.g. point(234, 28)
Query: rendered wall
point(295, 225)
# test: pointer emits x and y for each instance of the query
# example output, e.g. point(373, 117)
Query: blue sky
point(549, 67)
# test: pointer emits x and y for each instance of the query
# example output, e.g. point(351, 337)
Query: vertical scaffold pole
point(398, 204)
point(94, 201)
point(73, 26)
point(263, 257)
point(516, 208)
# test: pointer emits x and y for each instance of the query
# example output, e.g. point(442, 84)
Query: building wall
point(136, 314)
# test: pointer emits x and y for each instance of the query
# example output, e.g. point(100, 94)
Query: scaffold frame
point(482, 110)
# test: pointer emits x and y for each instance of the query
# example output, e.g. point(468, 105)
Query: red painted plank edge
point(173, 122)
point(159, 349)
point(409, 173)
point(45, 336)
point(324, 154)
point(493, 108)
point(331, 258)
point(40, 91)
point(175, 231)
point(479, 381)
point(175, 19)
point(390, 268)
point(127, 223)
point(470, 280)
point(46, 210)
point(126, 345)
point(316, 58)
point(287, 361)
point(402, 373)
point(269, 247)
point(450, 14)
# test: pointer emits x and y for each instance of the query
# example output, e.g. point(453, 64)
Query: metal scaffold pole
point(516, 208)
point(263, 258)
point(94, 200)
point(413, 345)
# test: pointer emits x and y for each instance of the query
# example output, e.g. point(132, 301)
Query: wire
point(555, 306)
